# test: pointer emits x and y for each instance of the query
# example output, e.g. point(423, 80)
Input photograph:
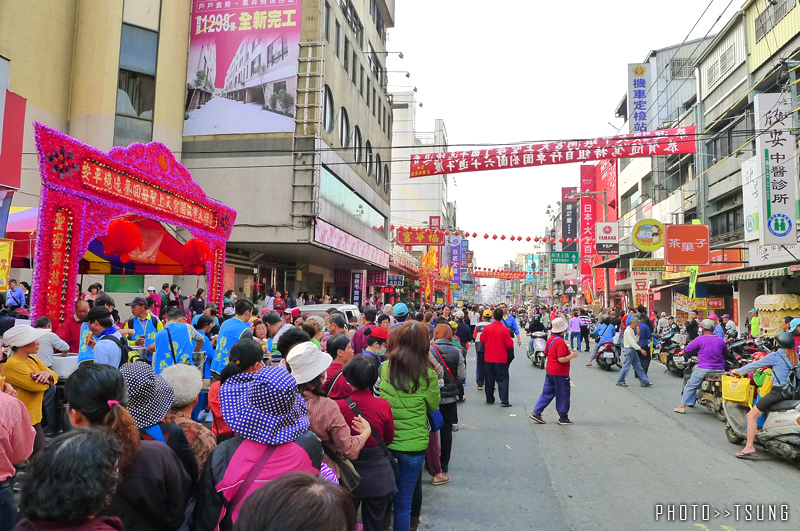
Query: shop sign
point(543, 293)
point(647, 264)
point(395, 280)
point(435, 222)
point(648, 235)
point(387, 290)
point(715, 304)
point(6, 253)
point(588, 218)
point(640, 90)
point(767, 255)
point(569, 218)
point(687, 245)
point(357, 288)
point(376, 278)
point(775, 150)
point(752, 185)
point(327, 234)
point(686, 304)
point(563, 257)
point(565, 299)
point(413, 237)
point(641, 287)
point(570, 290)
point(607, 237)
point(455, 257)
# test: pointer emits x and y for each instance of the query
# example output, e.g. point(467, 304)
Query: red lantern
point(577, 240)
point(382, 228)
point(528, 239)
point(123, 237)
point(427, 231)
point(391, 227)
point(196, 253)
point(474, 234)
point(552, 240)
point(456, 233)
point(494, 236)
point(561, 240)
point(485, 236)
point(447, 233)
point(503, 237)
point(569, 240)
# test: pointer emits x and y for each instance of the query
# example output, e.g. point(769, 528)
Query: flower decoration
point(62, 162)
point(225, 223)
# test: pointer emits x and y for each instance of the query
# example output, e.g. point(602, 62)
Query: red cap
point(379, 332)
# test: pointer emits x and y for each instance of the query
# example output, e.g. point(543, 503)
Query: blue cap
point(752, 311)
point(400, 309)
point(794, 324)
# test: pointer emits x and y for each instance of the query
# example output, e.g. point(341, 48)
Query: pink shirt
point(16, 435)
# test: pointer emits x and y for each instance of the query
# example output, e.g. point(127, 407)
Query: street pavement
point(626, 453)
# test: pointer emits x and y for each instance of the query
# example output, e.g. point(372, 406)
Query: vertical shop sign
point(569, 218)
point(357, 288)
point(775, 149)
point(455, 256)
point(639, 91)
point(752, 184)
point(588, 218)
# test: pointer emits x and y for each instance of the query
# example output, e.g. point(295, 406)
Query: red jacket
point(496, 340)
point(70, 332)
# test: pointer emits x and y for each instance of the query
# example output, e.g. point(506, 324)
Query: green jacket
point(410, 411)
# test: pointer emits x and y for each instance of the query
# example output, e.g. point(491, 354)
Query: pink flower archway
point(83, 189)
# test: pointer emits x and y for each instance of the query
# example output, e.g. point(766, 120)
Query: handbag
point(381, 443)
point(459, 385)
point(435, 421)
point(348, 476)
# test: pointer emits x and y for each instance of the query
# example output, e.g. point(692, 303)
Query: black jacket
point(177, 441)
point(450, 354)
point(692, 329)
point(153, 493)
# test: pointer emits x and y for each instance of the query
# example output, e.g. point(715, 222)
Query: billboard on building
point(588, 217)
point(242, 72)
point(569, 218)
point(639, 93)
point(752, 180)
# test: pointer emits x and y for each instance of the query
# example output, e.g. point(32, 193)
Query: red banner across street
point(646, 144)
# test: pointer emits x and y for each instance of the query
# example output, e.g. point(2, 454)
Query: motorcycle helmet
point(708, 324)
point(784, 339)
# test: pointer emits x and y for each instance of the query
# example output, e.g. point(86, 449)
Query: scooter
point(709, 394)
point(537, 356)
point(671, 354)
point(607, 355)
point(780, 434)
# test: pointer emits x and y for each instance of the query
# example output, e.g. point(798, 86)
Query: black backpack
point(127, 354)
point(791, 387)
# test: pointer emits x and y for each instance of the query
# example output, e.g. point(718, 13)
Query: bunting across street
point(675, 141)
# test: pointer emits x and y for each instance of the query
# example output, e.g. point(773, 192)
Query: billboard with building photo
point(242, 73)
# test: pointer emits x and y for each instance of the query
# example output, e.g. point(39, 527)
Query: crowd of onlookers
point(184, 417)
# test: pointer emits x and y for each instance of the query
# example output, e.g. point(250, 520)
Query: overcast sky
point(521, 70)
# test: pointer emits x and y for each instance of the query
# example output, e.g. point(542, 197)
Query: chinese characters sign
point(662, 142)
point(376, 278)
point(412, 237)
point(395, 280)
point(775, 149)
point(752, 185)
point(128, 189)
point(55, 295)
point(569, 218)
point(357, 288)
point(6, 252)
point(647, 264)
point(242, 67)
point(327, 234)
point(639, 92)
point(587, 218)
point(687, 245)
point(435, 222)
point(683, 302)
point(455, 257)
point(640, 281)
point(607, 235)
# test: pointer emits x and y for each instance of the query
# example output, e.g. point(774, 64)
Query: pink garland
point(60, 161)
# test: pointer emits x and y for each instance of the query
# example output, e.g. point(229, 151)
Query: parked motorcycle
point(670, 352)
point(780, 434)
point(537, 356)
point(607, 355)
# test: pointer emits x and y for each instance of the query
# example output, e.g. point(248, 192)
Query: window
point(682, 68)
point(725, 224)
point(369, 158)
point(355, 65)
point(726, 61)
point(327, 110)
point(327, 22)
point(351, 17)
point(368, 86)
point(358, 152)
point(340, 196)
point(712, 73)
point(374, 101)
point(336, 36)
point(277, 50)
point(136, 86)
point(361, 88)
point(386, 178)
point(346, 56)
point(344, 128)
point(380, 106)
point(772, 14)
point(378, 169)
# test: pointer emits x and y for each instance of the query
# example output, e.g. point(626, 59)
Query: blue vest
point(181, 344)
point(229, 333)
point(85, 352)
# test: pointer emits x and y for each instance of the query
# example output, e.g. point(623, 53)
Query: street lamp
point(399, 54)
point(604, 202)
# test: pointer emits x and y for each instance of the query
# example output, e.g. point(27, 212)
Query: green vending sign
point(564, 257)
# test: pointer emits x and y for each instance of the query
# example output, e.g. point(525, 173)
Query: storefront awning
point(616, 261)
point(755, 275)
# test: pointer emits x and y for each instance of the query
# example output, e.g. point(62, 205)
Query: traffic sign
point(687, 245)
point(564, 257)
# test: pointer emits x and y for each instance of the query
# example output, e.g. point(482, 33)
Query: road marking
point(507, 446)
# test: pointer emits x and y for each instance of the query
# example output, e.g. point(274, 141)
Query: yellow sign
point(639, 71)
point(647, 264)
point(648, 235)
point(439, 300)
point(6, 251)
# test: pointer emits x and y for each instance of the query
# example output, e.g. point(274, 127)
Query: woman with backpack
point(783, 362)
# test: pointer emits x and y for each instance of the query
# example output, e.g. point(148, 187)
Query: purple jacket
point(710, 351)
point(360, 340)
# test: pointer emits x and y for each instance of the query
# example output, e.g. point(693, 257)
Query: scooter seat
point(783, 405)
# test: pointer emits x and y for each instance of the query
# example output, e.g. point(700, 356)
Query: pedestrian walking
point(574, 330)
point(586, 321)
point(632, 351)
point(480, 349)
point(556, 380)
point(497, 341)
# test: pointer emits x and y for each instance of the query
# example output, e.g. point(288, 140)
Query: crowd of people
point(196, 420)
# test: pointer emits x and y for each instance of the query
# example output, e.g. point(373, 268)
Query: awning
point(755, 275)
point(615, 262)
point(22, 219)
